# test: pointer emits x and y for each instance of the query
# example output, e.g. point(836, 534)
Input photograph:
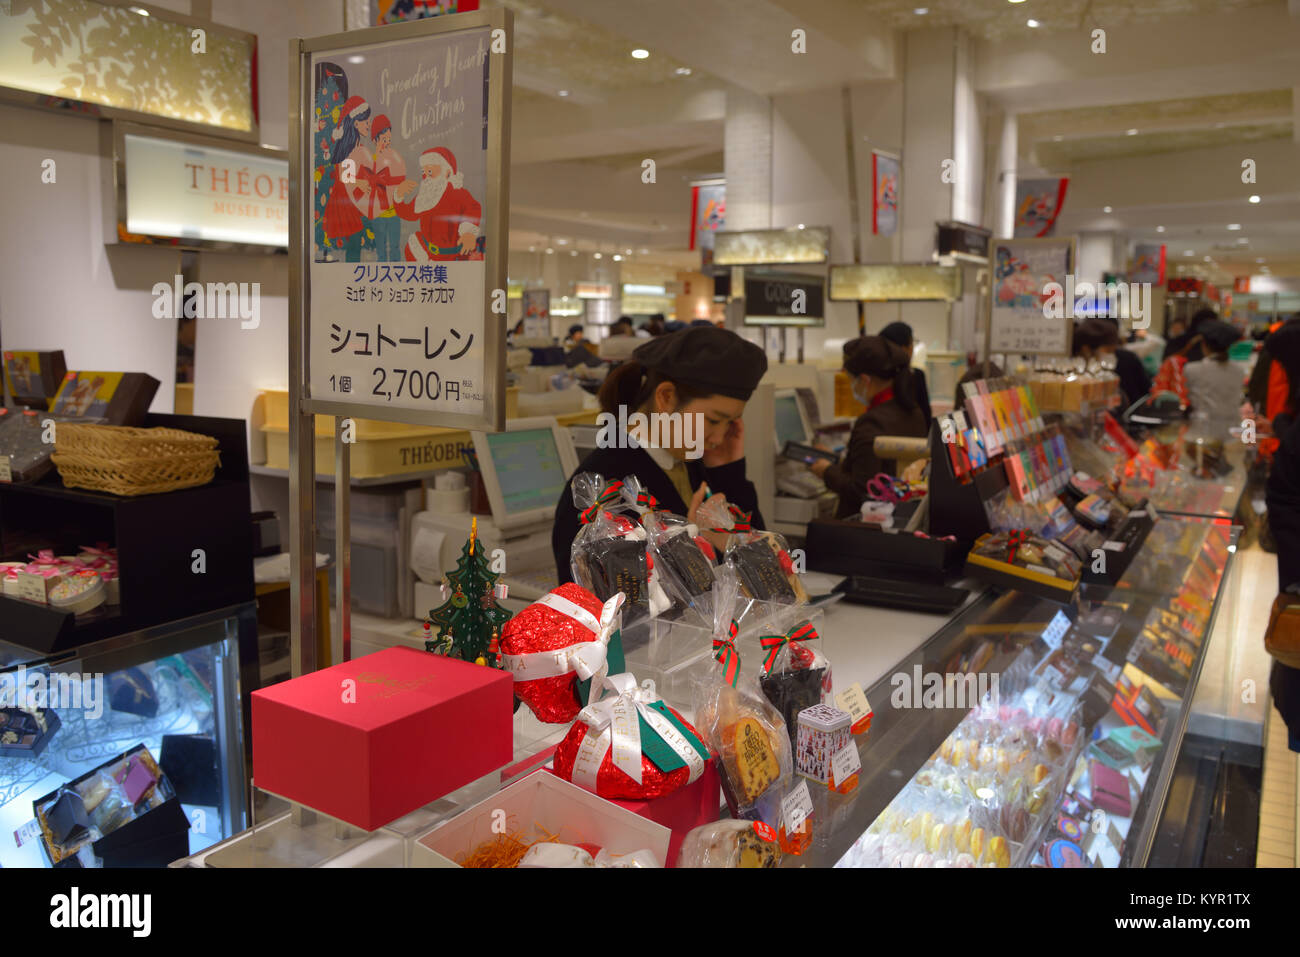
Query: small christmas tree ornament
point(469, 617)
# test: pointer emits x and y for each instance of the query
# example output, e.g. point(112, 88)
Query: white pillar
point(747, 145)
point(1008, 146)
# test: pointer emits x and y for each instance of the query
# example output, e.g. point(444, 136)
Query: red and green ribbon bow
point(645, 500)
point(610, 493)
point(1014, 541)
point(772, 644)
point(741, 521)
point(724, 649)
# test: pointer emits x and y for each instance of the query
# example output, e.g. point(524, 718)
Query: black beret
point(711, 360)
point(876, 356)
point(1219, 335)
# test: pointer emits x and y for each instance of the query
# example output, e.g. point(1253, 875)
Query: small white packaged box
point(541, 800)
point(823, 731)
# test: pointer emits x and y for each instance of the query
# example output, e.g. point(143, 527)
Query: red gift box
point(687, 808)
point(372, 739)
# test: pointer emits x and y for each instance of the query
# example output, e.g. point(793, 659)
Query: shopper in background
point(882, 381)
point(1214, 385)
point(1188, 344)
point(1269, 388)
point(578, 351)
point(709, 373)
point(1283, 500)
point(622, 326)
point(975, 372)
point(1094, 338)
point(900, 333)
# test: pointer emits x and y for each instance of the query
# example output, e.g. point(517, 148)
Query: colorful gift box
point(372, 739)
point(823, 732)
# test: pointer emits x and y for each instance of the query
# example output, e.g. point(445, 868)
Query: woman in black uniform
point(882, 381)
point(705, 372)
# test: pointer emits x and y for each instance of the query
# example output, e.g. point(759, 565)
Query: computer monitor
point(789, 419)
point(524, 470)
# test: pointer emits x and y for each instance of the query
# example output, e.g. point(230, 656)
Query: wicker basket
point(107, 458)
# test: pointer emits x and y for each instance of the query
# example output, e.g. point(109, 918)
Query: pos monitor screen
point(524, 470)
point(791, 426)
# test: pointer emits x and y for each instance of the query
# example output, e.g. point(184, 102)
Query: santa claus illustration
point(448, 215)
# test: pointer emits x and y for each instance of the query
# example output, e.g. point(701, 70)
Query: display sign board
point(203, 195)
point(785, 299)
point(764, 247)
point(962, 241)
point(895, 282)
point(402, 140)
point(1023, 319)
point(537, 313)
point(593, 290)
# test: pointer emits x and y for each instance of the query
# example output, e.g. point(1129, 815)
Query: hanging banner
point(1027, 312)
point(400, 11)
point(537, 313)
point(1038, 204)
point(402, 140)
point(1148, 264)
point(708, 215)
point(884, 193)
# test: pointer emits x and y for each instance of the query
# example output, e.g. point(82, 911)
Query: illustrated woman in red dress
point(342, 217)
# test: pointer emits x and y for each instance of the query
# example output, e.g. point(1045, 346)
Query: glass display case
point(171, 690)
point(1052, 734)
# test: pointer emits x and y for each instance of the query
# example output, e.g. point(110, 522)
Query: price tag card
point(28, 832)
point(6, 472)
point(854, 701)
point(32, 588)
point(1056, 630)
point(1113, 546)
point(845, 763)
point(796, 807)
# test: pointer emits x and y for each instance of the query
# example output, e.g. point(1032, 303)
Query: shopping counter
point(909, 773)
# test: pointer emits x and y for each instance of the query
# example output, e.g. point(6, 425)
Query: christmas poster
point(398, 154)
point(400, 11)
point(1038, 204)
point(708, 215)
point(1020, 321)
point(884, 193)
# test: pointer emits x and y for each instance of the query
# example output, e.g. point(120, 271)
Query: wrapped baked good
point(564, 638)
point(608, 554)
point(681, 557)
point(743, 727)
point(794, 675)
point(730, 843)
point(764, 567)
point(629, 744)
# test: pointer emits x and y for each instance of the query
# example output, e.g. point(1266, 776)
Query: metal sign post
point(397, 270)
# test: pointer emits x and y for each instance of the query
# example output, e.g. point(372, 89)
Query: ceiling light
point(1189, 252)
point(627, 252)
point(1015, 1)
point(1130, 132)
point(921, 11)
point(1032, 24)
point(549, 250)
point(532, 249)
point(573, 252)
point(801, 226)
point(1261, 259)
point(640, 54)
point(140, 10)
point(617, 258)
point(561, 242)
point(1160, 229)
point(562, 93)
point(1105, 209)
point(1253, 199)
point(644, 251)
point(1234, 225)
point(1243, 241)
point(1057, 139)
point(356, 58)
point(596, 255)
point(683, 71)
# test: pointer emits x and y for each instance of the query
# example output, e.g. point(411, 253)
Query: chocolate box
point(120, 398)
point(34, 377)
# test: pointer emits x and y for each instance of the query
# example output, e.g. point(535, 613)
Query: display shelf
point(180, 553)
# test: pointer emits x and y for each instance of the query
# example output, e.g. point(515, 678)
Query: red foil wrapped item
point(631, 745)
point(557, 641)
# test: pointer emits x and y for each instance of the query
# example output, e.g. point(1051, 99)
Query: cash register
point(801, 495)
point(524, 470)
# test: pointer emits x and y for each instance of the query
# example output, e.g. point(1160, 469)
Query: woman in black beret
point(704, 373)
point(882, 381)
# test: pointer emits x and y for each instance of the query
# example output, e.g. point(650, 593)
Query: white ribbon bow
point(587, 658)
point(612, 724)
